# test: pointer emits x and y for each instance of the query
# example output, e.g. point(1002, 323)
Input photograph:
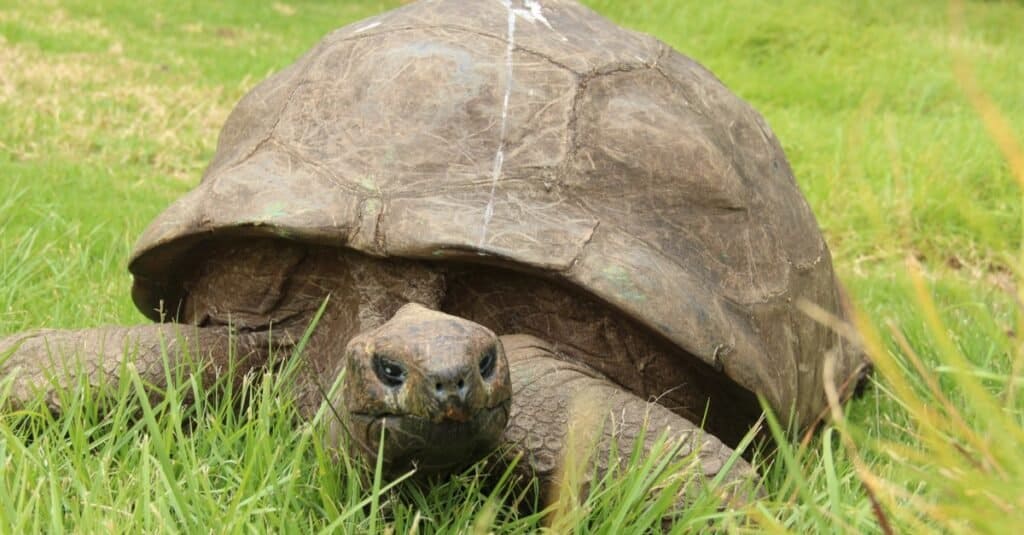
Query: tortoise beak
point(455, 413)
point(431, 447)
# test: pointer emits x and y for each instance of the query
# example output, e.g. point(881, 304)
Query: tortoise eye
point(487, 362)
point(388, 371)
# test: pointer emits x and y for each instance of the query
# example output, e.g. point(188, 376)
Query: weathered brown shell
point(540, 136)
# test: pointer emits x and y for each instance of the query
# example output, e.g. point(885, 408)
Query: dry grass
point(82, 106)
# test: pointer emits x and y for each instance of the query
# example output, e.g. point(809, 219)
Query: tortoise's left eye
point(388, 371)
point(488, 361)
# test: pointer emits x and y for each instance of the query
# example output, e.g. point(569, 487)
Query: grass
point(110, 111)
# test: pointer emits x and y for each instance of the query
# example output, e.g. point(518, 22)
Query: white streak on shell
point(534, 12)
point(499, 155)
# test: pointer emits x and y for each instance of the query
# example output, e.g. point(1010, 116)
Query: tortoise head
point(435, 386)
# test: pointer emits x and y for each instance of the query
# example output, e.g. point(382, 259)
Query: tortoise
point(507, 217)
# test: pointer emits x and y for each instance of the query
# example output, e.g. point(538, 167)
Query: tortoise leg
point(567, 419)
point(46, 362)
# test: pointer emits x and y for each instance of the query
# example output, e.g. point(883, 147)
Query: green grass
point(110, 110)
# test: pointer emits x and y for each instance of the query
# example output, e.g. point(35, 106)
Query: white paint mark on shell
point(499, 154)
point(369, 26)
point(533, 12)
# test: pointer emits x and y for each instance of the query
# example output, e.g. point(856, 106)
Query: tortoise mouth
point(430, 447)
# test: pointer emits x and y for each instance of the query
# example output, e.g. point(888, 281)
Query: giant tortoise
point(513, 216)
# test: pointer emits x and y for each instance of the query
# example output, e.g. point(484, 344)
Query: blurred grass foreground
point(902, 121)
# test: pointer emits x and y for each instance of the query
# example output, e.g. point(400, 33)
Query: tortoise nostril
point(452, 385)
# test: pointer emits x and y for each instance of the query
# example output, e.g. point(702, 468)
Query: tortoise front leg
point(47, 362)
point(567, 419)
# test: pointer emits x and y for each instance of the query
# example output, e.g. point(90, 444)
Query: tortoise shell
point(537, 137)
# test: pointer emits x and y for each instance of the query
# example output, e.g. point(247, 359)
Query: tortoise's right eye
point(388, 371)
point(487, 362)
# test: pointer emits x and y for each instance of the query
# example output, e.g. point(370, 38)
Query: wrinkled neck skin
point(453, 403)
point(258, 285)
point(377, 307)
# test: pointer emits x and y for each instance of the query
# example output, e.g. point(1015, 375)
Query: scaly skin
point(567, 419)
point(561, 411)
point(47, 362)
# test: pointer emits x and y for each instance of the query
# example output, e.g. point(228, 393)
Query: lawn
point(110, 109)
